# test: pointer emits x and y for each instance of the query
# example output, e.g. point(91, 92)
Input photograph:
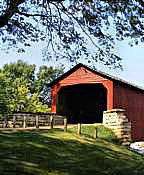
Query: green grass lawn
point(53, 152)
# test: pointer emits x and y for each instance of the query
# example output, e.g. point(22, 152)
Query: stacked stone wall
point(117, 121)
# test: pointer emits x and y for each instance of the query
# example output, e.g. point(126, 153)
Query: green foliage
point(34, 105)
point(44, 77)
point(20, 73)
point(3, 95)
point(21, 90)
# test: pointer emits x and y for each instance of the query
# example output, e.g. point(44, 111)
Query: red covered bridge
point(83, 94)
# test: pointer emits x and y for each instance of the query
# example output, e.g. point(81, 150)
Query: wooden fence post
point(24, 122)
point(51, 122)
point(95, 133)
point(79, 128)
point(37, 121)
point(14, 121)
point(65, 124)
point(5, 122)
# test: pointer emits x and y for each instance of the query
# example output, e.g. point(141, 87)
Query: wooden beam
point(14, 121)
point(24, 122)
point(95, 133)
point(5, 125)
point(65, 124)
point(51, 122)
point(79, 129)
point(37, 121)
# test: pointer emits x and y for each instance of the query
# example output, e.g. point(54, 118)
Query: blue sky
point(133, 61)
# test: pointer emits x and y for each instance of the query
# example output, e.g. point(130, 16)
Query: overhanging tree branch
point(71, 26)
point(30, 15)
point(69, 14)
point(12, 7)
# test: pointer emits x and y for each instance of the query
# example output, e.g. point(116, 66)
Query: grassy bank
point(53, 152)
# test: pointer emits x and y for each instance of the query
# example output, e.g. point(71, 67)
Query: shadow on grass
point(48, 153)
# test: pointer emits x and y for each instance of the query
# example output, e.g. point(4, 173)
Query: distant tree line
point(24, 90)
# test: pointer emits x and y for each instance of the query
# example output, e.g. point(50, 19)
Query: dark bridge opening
point(82, 103)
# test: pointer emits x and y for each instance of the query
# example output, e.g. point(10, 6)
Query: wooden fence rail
point(24, 120)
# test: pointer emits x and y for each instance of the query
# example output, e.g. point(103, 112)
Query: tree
point(20, 73)
point(18, 85)
point(21, 90)
point(34, 104)
point(4, 95)
point(69, 26)
point(44, 77)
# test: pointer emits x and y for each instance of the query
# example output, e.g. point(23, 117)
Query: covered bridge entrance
point(82, 103)
point(82, 95)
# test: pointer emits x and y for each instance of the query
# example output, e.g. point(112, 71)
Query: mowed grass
point(102, 132)
point(54, 152)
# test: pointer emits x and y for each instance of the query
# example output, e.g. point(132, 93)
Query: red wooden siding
point(83, 76)
point(132, 100)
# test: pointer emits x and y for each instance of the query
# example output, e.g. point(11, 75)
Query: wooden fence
point(25, 120)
